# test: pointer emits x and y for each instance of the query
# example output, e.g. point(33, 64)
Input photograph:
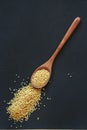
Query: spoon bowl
point(48, 64)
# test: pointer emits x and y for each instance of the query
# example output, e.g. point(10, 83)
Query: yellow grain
point(24, 103)
point(40, 77)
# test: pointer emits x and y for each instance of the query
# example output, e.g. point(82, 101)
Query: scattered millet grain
point(24, 103)
point(14, 81)
point(40, 77)
point(38, 108)
point(44, 105)
point(27, 77)
point(10, 89)
point(11, 125)
point(20, 125)
point(48, 98)
point(70, 76)
point(38, 118)
point(4, 101)
point(18, 76)
point(23, 79)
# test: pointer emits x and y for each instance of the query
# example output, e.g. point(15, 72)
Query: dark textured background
point(30, 30)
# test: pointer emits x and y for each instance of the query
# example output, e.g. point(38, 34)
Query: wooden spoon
point(48, 64)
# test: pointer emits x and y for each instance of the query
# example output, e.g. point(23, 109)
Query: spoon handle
point(65, 38)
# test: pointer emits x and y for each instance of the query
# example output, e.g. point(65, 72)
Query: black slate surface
point(30, 31)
